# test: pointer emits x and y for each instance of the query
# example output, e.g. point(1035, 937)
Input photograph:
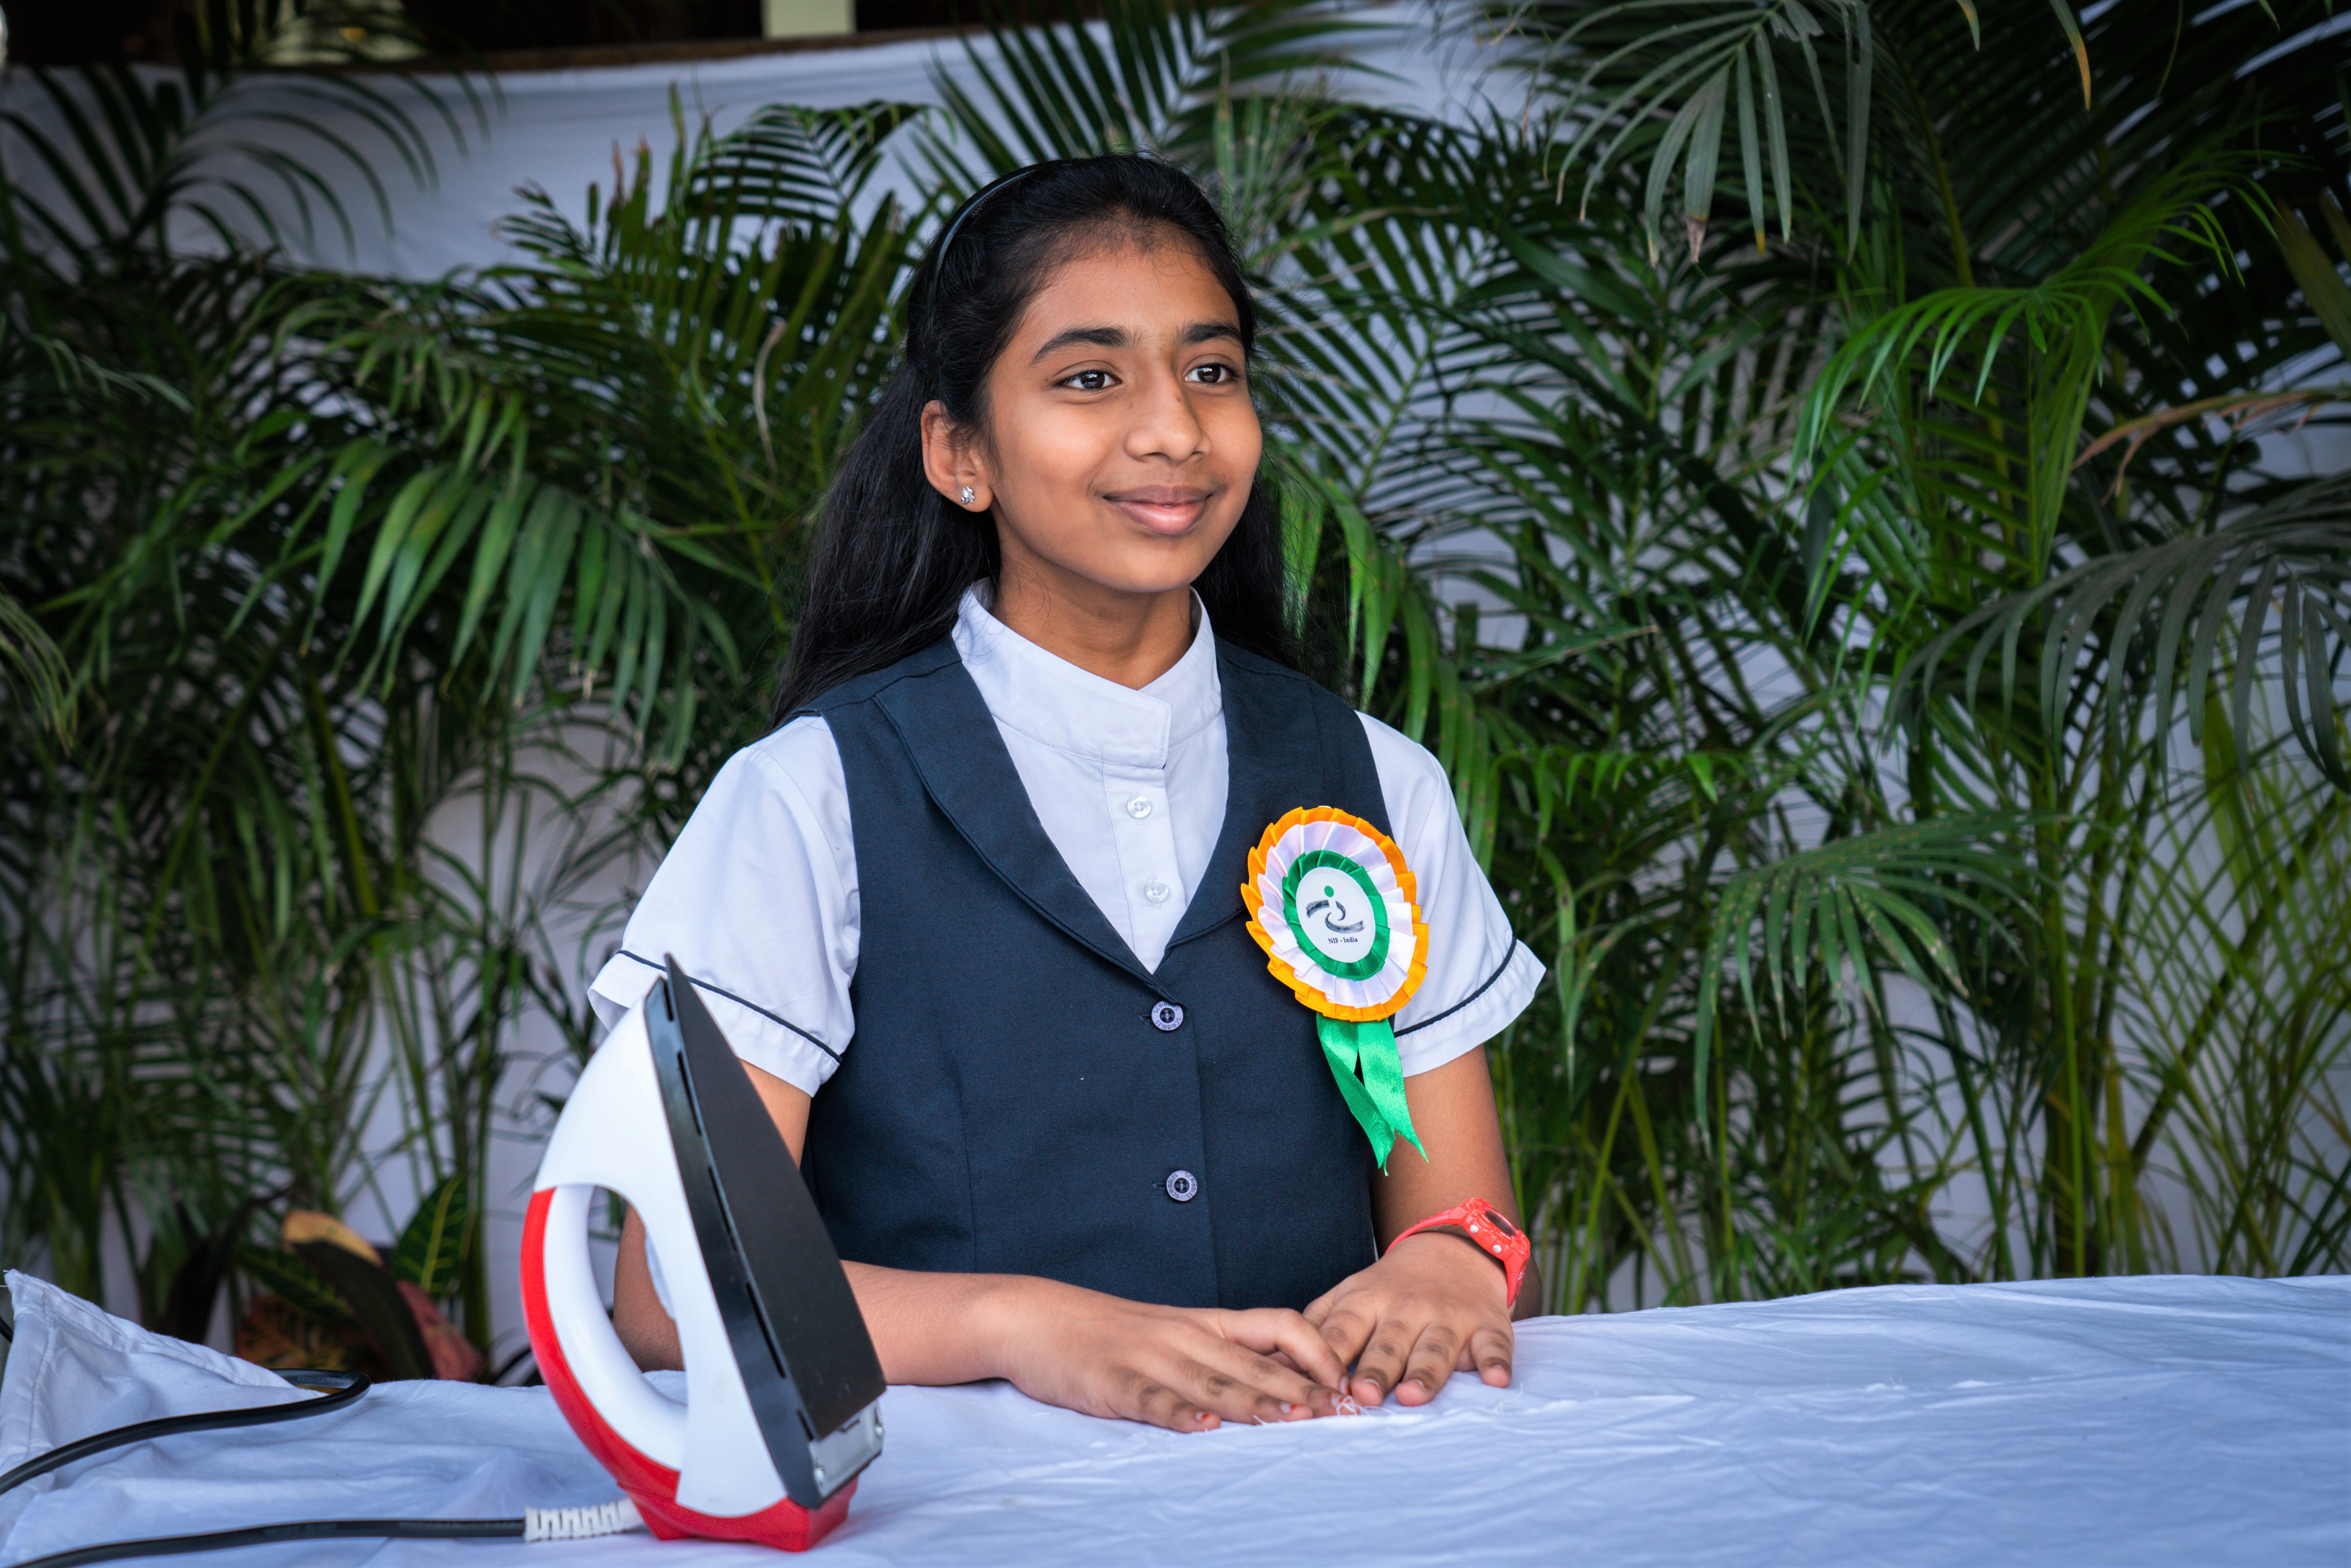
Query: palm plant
point(327, 560)
point(1851, 650)
point(1713, 865)
point(180, 1005)
point(1950, 527)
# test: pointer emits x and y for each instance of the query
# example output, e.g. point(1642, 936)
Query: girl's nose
point(1165, 425)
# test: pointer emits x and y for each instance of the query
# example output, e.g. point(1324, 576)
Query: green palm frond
point(2191, 612)
point(1357, 270)
point(1803, 88)
point(747, 279)
point(1671, 77)
point(2063, 324)
point(1840, 909)
point(2321, 286)
point(1152, 81)
point(1685, 63)
point(33, 665)
point(794, 165)
point(127, 153)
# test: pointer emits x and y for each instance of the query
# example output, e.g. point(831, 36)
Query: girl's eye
point(1089, 381)
point(1215, 375)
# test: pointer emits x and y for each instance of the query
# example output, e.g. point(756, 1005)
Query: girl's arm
point(1184, 1369)
point(1433, 1304)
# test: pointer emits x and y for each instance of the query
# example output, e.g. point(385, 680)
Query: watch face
point(1494, 1218)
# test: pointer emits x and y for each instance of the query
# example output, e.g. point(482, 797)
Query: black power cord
point(263, 1534)
point(346, 1388)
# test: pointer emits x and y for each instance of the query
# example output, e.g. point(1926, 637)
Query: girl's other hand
point(1187, 1369)
point(1434, 1305)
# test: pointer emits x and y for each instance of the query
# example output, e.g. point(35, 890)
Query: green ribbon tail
point(1383, 1076)
point(1377, 1096)
point(1339, 1050)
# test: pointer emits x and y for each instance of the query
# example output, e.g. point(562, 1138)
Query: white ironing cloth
point(2127, 1421)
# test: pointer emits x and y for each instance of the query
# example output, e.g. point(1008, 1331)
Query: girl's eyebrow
point(1100, 336)
point(1117, 336)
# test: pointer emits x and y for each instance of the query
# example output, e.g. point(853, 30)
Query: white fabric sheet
point(2136, 1421)
point(563, 130)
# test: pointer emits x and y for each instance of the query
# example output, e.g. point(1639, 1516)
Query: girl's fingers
point(1347, 1328)
point(1241, 1386)
point(1380, 1364)
point(1491, 1350)
point(1270, 1331)
point(1430, 1364)
point(1187, 1371)
point(1161, 1405)
point(1271, 1364)
point(1221, 1365)
point(1282, 1392)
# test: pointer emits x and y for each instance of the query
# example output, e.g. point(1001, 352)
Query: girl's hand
point(1187, 1369)
point(1432, 1305)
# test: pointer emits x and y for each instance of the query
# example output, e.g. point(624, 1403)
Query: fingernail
point(1287, 1408)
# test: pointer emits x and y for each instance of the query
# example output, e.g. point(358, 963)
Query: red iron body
point(782, 1383)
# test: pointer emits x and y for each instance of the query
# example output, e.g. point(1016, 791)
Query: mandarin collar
point(1050, 700)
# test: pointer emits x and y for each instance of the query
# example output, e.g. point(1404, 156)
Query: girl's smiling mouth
point(1165, 510)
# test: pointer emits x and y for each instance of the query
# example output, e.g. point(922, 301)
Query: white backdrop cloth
point(562, 130)
point(2134, 1421)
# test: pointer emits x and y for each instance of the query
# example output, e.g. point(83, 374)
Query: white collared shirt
point(758, 898)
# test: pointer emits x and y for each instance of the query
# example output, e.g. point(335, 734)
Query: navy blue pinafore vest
point(1022, 1093)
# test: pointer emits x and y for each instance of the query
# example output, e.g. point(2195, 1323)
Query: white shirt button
point(1139, 808)
point(1156, 891)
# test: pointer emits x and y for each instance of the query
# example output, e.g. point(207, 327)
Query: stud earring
point(967, 496)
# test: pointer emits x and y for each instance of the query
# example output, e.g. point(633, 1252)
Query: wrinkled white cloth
point(2132, 1421)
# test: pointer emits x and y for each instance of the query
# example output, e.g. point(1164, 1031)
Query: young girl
point(1076, 1110)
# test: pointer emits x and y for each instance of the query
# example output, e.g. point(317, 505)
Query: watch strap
point(1491, 1231)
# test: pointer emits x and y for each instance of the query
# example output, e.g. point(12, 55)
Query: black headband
point(971, 205)
point(955, 227)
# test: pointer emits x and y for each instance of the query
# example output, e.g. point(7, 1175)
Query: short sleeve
point(1479, 976)
point(757, 900)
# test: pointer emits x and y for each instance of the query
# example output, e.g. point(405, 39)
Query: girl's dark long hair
point(893, 556)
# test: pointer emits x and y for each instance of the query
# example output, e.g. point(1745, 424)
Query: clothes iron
point(782, 1382)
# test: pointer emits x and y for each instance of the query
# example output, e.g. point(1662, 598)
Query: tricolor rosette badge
point(1333, 903)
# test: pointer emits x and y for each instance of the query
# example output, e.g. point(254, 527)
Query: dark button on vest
point(1022, 1096)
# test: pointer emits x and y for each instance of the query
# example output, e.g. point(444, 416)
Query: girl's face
point(1121, 441)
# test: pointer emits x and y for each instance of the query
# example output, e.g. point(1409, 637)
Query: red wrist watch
point(1486, 1226)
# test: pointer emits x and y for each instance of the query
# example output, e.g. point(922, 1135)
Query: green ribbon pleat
point(1362, 1057)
